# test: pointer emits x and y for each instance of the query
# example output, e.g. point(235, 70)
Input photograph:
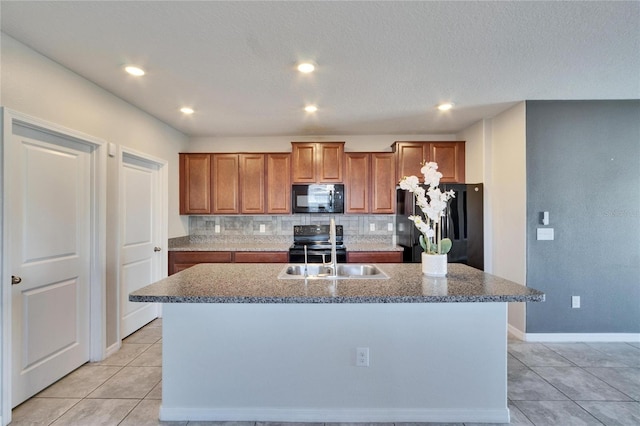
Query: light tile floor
point(550, 384)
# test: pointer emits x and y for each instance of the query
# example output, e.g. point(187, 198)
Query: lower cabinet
point(261, 257)
point(374, 257)
point(181, 260)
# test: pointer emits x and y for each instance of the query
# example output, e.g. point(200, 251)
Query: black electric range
point(316, 240)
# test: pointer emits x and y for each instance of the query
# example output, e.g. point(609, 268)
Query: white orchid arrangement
point(433, 202)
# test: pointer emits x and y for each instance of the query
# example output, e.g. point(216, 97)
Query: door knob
point(15, 280)
point(157, 249)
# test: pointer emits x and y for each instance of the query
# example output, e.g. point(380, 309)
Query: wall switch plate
point(575, 302)
point(390, 226)
point(362, 357)
point(216, 229)
point(263, 228)
point(545, 234)
point(372, 227)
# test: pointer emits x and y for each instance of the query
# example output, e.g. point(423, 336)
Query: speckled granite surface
point(258, 283)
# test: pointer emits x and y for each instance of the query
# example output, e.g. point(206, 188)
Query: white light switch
point(372, 227)
point(545, 234)
point(262, 227)
point(216, 229)
point(390, 226)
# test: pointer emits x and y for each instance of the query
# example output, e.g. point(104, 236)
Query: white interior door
point(141, 248)
point(50, 215)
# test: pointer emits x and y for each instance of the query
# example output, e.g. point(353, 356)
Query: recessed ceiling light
point(186, 110)
point(311, 108)
point(306, 67)
point(445, 106)
point(133, 70)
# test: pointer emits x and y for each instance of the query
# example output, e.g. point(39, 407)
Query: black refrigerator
point(463, 224)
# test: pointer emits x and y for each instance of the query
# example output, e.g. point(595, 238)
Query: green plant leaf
point(423, 243)
point(445, 245)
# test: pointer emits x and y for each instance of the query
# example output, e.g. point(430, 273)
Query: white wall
point(353, 143)
point(508, 176)
point(34, 85)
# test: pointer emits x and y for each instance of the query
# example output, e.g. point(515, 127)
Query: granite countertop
point(258, 283)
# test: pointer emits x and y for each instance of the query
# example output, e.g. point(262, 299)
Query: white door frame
point(163, 192)
point(97, 281)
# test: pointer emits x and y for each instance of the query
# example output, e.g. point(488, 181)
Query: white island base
point(429, 362)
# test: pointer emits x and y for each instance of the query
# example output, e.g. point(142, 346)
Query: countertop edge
point(337, 300)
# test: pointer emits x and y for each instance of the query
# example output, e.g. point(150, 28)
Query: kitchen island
point(241, 344)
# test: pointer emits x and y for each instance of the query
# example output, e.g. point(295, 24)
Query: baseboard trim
point(335, 415)
point(574, 337)
point(112, 349)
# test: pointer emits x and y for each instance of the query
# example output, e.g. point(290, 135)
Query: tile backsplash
point(357, 228)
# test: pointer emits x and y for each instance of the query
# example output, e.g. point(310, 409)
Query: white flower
point(432, 201)
point(410, 183)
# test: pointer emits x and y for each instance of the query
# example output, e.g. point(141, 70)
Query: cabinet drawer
point(374, 257)
point(261, 257)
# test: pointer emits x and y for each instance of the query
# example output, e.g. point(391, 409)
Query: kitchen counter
point(241, 345)
point(257, 283)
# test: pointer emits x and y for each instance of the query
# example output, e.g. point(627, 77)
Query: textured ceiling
point(382, 66)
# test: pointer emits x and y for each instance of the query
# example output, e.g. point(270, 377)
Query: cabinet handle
point(15, 280)
point(157, 249)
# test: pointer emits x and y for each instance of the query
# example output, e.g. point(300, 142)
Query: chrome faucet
point(306, 274)
point(333, 263)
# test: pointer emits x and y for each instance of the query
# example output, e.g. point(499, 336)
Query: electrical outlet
point(263, 228)
point(372, 227)
point(390, 226)
point(216, 229)
point(362, 357)
point(575, 302)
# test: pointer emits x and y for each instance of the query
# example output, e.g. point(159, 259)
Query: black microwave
point(317, 198)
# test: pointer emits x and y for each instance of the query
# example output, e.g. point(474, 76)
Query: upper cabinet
point(195, 183)
point(317, 162)
point(226, 199)
point(235, 183)
point(449, 155)
point(278, 183)
point(370, 182)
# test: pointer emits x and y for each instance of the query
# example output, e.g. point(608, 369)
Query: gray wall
point(583, 166)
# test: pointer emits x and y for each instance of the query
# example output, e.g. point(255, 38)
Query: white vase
point(434, 265)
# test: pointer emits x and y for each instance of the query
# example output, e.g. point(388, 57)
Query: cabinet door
point(450, 159)
point(410, 158)
point(278, 183)
point(195, 183)
point(181, 260)
point(330, 159)
point(383, 183)
point(357, 165)
point(252, 183)
point(304, 162)
point(225, 184)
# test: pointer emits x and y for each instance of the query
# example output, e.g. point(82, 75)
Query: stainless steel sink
point(345, 271)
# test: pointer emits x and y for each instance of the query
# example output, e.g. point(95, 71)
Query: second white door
point(141, 246)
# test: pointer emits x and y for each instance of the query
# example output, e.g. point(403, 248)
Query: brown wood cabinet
point(278, 183)
point(181, 260)
point(195, 183)
point(261, 257)
point(411, 155)
point(226, 188)
point(252, 183)
point(317, 162)
point(374, 257)
point(370, 182)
